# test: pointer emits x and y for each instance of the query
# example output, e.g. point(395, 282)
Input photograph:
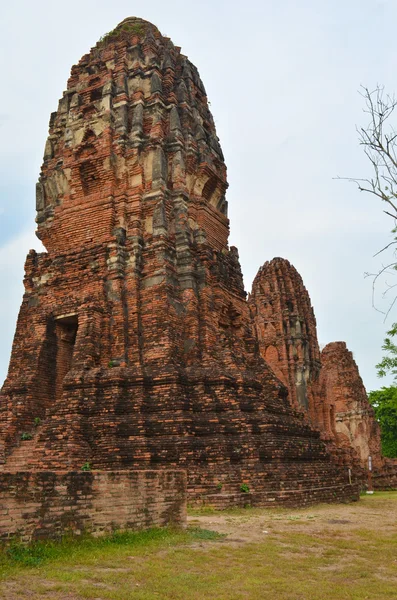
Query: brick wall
point(385, 478)
point(45, 504)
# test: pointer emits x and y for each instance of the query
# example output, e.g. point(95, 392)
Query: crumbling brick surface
point(285, 326)
point(385, 476)
point(345, 396)
point(48, 504)
point(327, 387)
point(134, 344)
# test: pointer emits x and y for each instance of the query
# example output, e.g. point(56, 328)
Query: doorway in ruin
point(65, 332)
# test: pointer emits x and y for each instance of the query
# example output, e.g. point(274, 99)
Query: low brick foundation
point(386, 477)
point(45, 504)
point(288, 498)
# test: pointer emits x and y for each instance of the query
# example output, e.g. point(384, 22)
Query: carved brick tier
point(134, 345)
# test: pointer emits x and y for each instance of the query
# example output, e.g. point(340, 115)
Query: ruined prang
point(327, 387)
point(344, 394)
point(134, 345)
point(286, 330)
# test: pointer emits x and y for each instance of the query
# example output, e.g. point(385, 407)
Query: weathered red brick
point(134, 343)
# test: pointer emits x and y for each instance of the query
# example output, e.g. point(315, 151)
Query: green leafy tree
point(388, 364)
point(384, 403)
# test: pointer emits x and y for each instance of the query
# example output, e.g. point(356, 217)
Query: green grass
point(328, 563)
point(18, 555)
point(234, 511)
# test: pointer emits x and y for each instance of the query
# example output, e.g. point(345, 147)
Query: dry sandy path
point(254, 525)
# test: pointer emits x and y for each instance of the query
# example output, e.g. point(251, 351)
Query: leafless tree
point(379, 139)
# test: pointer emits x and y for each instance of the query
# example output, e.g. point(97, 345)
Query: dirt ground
point(177, 572)
point(256, 524)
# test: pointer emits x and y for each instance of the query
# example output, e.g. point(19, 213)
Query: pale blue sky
point(282, 78)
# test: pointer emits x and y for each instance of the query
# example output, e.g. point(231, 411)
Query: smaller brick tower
point(327, 387)
point(351, 415)
point(286, 330)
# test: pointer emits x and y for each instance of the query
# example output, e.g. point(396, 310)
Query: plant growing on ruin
point(120, 32)
point(86, 466)
point(37, 421)
point(26, 436)
point(244, 488)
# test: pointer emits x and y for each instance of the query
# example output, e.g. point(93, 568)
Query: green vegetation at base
point(37, 553)
point(310, 555)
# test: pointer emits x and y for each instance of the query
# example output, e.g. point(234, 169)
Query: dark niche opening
point(89, 176)
point(96, 94)
point(290, 305)
point(65, 331)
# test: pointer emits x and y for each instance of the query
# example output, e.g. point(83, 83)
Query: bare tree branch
point(385, 248)
point(379, 141)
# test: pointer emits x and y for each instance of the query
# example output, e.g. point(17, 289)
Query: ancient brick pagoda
point(352, 417)
point(286, 330)
point(327, 386)
point(135, 346)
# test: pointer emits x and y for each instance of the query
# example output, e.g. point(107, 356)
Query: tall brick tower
point(134, 345)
